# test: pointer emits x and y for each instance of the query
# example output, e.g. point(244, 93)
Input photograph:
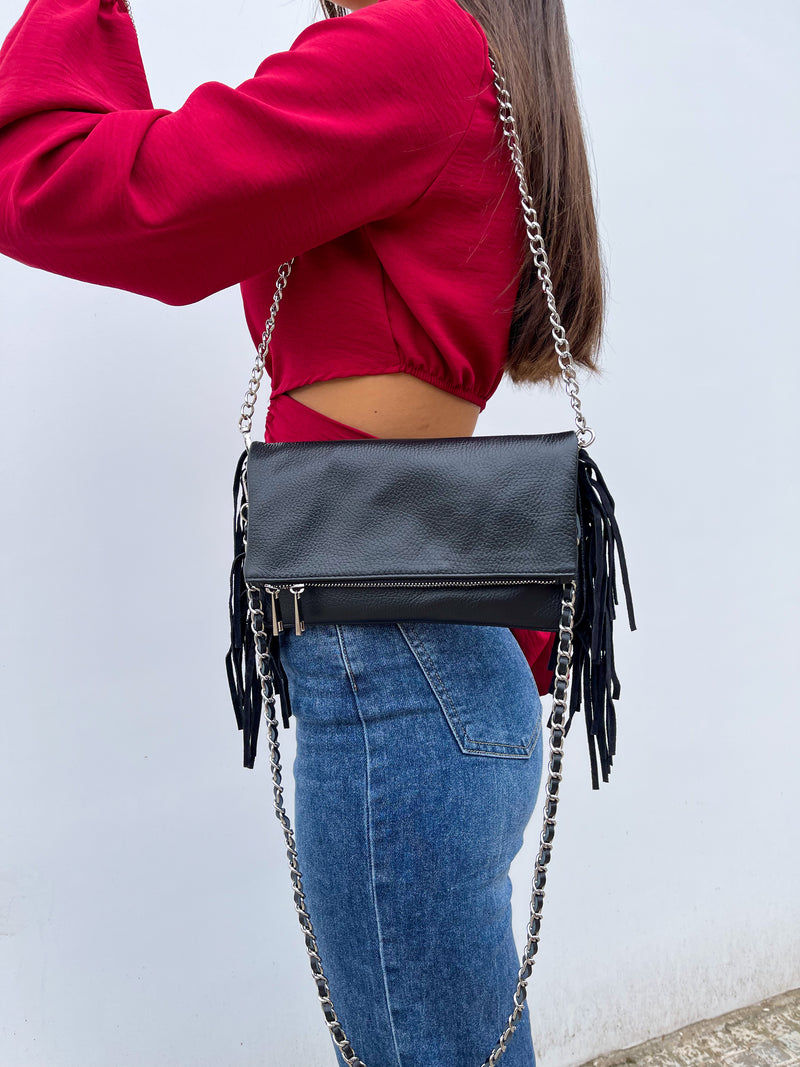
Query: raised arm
point(351, 124)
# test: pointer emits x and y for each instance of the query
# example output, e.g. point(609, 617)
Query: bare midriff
point(391, 405)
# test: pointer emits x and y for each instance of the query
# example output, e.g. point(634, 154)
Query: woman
point(371, 152)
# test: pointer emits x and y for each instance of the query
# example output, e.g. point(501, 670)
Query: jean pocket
point(483, 684)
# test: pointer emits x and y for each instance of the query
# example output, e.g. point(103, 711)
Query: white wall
point(144, 897)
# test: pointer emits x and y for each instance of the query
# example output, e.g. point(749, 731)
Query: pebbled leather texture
point(435, 509)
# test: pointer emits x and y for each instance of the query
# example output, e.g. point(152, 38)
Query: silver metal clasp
point(277, 622)
point(299, 625)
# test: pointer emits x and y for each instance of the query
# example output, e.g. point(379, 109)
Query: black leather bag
point(514, 530)
point(487, 530)
point(415, 529)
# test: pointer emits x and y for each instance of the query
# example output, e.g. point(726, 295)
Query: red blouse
point(370, 152)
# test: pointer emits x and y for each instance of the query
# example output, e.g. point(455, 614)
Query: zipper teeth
point(296, 588)
point(443, 585)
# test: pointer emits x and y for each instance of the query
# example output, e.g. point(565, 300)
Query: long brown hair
point(531, 47)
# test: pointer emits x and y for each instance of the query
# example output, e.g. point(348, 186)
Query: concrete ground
point(766, 1034)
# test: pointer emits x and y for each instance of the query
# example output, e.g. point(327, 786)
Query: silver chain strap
point(127, 7)
point(246, 416)
point(565, 361)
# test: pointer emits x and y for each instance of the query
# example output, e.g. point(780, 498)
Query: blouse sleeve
point(351, 124)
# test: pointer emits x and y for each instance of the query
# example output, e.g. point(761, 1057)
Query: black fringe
point(240, 660)
point(595, 684)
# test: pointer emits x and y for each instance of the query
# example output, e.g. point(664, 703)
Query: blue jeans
point(419, 761)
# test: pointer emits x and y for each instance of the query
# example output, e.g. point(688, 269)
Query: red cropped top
point(370, 152)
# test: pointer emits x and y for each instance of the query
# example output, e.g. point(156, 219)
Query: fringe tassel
point(595, 683)
point(240, 660)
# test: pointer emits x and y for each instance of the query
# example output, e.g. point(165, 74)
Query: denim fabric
point(419, 761)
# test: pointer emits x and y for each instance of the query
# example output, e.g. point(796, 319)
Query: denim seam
point(444, 695)
point(370, 841)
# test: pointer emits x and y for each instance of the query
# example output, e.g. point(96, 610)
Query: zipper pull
point(299, 625)
point(277, 624)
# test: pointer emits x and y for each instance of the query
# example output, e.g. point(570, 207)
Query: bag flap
point(445, 509)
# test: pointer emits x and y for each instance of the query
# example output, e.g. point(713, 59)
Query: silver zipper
point(296, 588)
point(277, 624)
